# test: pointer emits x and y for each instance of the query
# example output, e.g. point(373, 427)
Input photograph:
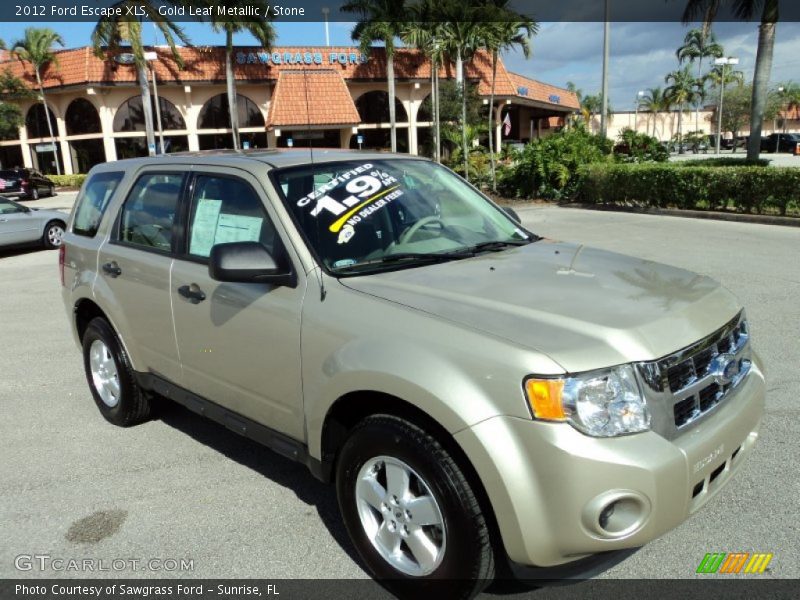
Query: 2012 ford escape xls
point(476, 393)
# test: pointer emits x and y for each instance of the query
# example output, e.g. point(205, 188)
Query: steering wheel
point(409, 233)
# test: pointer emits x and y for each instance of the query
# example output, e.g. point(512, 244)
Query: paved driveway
point(183, 488)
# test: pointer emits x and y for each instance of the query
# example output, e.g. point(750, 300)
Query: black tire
point(52, 236)
point(52, 191)
point(133, 405)
point(467, 565)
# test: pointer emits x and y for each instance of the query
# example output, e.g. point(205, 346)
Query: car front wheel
point(411, 513)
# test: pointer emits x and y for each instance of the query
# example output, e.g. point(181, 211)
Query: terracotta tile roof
point(543, 92)
point(80, 66)
point(311, 98)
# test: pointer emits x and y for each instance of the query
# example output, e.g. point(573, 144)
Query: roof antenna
point(322, 292)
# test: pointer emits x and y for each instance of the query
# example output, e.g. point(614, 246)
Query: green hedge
point(75, 181)
point(745, 189)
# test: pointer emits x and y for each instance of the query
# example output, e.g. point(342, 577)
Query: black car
point(25, 183)
point(780, 142)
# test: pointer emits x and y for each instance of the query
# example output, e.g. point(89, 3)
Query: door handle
point(112, 269)
point(192, 293)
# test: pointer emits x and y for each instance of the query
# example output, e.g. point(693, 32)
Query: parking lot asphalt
point(180, 487)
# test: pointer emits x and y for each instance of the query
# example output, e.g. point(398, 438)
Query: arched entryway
point(82, 119)
point(44, 149)
point(129, 118)
point(214, 123)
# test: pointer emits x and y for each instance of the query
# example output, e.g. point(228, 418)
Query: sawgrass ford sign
point(301, 58)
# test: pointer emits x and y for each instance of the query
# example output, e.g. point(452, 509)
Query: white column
point(27, 159)
point(66, 154)
point(192, 112)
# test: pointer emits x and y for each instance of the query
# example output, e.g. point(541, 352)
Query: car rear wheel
point(111, 378)
point(411, 512)
point(51, 191)
point(34, 193)
point(53, 235)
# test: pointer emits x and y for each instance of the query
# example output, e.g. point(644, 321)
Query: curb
point(692, 214)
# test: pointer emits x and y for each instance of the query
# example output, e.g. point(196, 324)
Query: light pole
point(775, 126)
point(723, 62)
point(325, 12)
point(636, 102)
point(604, 92)
point(151, 57)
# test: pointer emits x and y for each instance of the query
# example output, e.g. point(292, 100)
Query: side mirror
point(512, 213)
point(249, 262)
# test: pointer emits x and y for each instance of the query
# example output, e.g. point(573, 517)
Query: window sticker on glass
point(211, 227)
point(238, 228)
point(204, 227)
point(350, 197)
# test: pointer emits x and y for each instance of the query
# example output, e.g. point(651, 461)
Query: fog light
point(616, 514)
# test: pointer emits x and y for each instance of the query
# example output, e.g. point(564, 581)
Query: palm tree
point(682, 90)
point(745, 10)
point(260, 29)
point(115, 32)
point(654, 101)
point(37, 48)
point(381, 21)
point(699, 44)
point(509, 31)
point(424, 35)
point(462, 39)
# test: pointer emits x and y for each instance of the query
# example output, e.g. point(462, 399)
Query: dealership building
point(289, 96)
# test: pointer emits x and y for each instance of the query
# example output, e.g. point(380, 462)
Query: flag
point(507, 124)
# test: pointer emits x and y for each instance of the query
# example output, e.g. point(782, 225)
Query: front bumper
point(548, 483)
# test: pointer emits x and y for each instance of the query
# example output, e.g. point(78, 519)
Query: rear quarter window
point(93, 201)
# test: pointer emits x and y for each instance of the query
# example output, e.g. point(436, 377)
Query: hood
point(583, 307)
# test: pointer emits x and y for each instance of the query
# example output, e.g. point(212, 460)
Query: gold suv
point(479, 395)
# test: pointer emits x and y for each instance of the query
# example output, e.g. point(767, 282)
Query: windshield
point(363, 215)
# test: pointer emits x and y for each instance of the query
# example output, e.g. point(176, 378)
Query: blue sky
point(641, 53)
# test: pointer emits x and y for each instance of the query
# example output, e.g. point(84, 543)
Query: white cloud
point(642, 54)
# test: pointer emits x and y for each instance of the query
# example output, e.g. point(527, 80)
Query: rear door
point(240, 344)
point(134, 269)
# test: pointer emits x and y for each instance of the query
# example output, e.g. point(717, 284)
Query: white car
point(22, 226)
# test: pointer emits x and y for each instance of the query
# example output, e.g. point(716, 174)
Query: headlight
point(600, 404)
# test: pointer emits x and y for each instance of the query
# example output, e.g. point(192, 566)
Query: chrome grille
point(685, 386)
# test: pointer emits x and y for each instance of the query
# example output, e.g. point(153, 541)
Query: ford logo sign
point(725, 368)
point(126, 58)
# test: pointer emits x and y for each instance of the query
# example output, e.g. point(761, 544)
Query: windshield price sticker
point(351, 197)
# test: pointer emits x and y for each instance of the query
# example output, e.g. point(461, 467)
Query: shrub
point(722, 161)
point(75, 181)
point(634, 147)
point(548, 167)
point(745, 189)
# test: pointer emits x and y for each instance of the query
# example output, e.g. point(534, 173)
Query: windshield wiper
point(411, 257)
point(498, 245)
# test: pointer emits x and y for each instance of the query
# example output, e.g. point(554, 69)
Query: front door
point(239, 343)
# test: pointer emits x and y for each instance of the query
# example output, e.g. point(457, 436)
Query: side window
point(148, 215)
point(93, 201)
point(226, 210)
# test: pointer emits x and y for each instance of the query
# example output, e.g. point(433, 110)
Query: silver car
point(22, 226)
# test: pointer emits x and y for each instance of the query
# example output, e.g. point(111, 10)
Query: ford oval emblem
point(725, 368)
point(125, 58)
